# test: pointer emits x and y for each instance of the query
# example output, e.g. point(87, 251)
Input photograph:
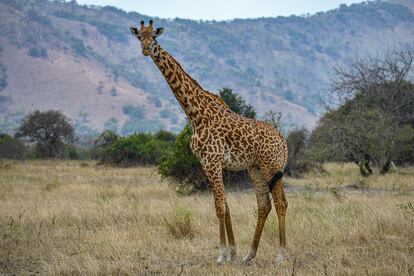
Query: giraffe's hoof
point(232, 254)
point(231, 258)
point(281, 256)
point(221, 260)
point(247, 260)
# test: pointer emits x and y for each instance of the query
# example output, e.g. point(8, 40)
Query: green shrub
point(137, 149)
point(179, 223)
point(182, 166)
point(72, 152)
point(11, 148)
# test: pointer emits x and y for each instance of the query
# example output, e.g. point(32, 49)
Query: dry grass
point(72, 218)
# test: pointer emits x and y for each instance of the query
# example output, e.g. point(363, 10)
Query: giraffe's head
point(147, 35)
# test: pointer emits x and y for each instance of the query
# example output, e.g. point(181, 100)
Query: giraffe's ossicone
point(222, 139)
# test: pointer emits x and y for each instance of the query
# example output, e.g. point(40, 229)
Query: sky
point(221, 9)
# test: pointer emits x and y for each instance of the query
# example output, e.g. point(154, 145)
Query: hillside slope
point(83, 60)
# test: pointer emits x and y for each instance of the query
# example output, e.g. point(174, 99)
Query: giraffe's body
point(222, 139)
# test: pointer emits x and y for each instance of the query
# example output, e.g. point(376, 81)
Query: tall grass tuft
point(179, 223)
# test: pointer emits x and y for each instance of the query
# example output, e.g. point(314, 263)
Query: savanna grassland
point(67, 217)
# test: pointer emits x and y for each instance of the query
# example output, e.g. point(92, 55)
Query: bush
point(182, 166)
point(137, 149)
point(11, 148)
point(297, 164)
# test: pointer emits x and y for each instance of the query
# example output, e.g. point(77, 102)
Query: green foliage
point(11, 148)
point(375, 123)
point(297, 164)
point(237, 103)
point(50, 131)
point(137, 149)
point(182, 165)
point(73, 153)
point(166, 136)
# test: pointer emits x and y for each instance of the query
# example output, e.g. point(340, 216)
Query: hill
point(83, 60)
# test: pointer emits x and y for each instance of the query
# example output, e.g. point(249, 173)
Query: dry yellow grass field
point(61, 217)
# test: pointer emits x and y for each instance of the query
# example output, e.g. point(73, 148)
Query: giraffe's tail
point(272, 183)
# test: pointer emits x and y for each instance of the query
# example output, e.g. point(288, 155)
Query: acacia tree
point(49, 131)
point(376, 119)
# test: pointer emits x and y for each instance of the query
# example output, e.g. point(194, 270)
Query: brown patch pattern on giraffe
point(221, 140)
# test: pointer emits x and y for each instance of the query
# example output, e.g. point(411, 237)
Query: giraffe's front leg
point(214, 175)
point(230, 235)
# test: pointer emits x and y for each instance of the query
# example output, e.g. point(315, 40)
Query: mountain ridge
point(84, 61)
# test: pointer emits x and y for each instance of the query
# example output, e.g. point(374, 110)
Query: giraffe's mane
point(210, 95)
point(217, 98)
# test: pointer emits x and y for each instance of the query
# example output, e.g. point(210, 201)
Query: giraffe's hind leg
point(273, 173)
point(264, 206)
point(281, 204)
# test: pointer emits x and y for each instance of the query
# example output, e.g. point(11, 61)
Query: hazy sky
point(221, 9)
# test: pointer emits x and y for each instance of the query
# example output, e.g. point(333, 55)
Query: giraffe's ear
point(135, 32)
point(158, 32)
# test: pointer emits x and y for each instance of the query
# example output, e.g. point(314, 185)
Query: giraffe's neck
point(191, 96)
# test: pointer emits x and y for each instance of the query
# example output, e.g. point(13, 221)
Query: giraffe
point(221, 139)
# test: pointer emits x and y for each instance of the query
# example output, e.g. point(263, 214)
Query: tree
point(237, 103)
point(296, 141)
point(50, 131)
point(375, 121)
